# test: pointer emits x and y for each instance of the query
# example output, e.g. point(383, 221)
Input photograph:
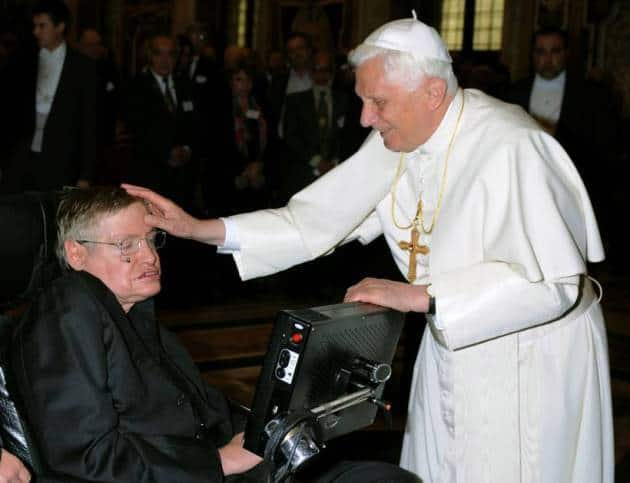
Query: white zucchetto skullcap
point(412, 36)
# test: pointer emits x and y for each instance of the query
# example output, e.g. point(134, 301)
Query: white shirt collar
point(57, 54)
point(545, 100)
point(160, 79)
point(555, 83)
point(298, 83)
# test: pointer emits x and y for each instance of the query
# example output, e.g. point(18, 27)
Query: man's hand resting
point(235, 459)
point(395, 295)
point(12, 470)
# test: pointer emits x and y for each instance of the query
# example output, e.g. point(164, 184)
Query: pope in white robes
point(511, 382)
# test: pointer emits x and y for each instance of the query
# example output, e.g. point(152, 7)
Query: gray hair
point(405, 69)
point(80, 211)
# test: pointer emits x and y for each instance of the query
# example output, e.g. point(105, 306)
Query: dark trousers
point(343, 472)
point(366, 472)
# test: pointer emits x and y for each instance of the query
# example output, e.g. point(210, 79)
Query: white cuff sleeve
point(232, 241)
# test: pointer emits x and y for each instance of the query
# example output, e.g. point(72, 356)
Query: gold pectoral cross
point(413, 247)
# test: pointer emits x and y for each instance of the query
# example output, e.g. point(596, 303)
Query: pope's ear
point(436, 89)
point(76, 254)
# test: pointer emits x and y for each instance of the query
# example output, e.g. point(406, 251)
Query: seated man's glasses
point(130, 246)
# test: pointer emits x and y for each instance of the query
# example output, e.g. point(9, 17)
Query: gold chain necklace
point(417, 223)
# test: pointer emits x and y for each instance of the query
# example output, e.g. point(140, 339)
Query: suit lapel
point(156, 89)
point(525, 96)
point(62, 87)
point(567, 100)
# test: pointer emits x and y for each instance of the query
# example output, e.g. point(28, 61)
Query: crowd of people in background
point(218, 133)
point(226, 132)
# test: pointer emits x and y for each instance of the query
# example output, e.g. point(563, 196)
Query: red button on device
point(296, 338)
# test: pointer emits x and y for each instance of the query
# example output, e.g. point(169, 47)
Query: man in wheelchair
point(107, 394)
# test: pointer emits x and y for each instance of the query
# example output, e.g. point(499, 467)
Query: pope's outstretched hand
point(168, 216)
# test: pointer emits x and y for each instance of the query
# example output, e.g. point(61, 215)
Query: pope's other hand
point(399, 296)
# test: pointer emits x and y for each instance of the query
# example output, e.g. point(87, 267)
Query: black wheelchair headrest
point(27, 244)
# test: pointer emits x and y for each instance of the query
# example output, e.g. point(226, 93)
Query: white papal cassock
point(511, 383)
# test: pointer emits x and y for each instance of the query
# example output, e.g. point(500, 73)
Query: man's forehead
point(163, 44)
point(128, 221)
point(40, 18)
point(370, 77)
point(554, 39)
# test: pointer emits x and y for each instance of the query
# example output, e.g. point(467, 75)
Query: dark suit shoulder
point(143, 79)
point(79, 58)
point(339, 94)
point(183, 86)
point(519, 92)
point(81, 70)
point(302, 95)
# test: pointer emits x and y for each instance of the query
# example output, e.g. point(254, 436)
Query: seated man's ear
point(76, 254)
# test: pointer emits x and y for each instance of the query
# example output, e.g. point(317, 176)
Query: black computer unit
point(324, 354)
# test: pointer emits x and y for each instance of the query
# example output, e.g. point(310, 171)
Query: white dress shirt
point(298, 83)
point(49, 67)
point(545, 101)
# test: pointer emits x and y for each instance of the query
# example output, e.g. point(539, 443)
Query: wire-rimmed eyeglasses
point(130, 246)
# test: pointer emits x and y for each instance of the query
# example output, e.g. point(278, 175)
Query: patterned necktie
point(168, 96)
point(322, 114)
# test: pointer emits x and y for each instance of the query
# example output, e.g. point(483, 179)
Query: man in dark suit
point(202, 70)
point(576, 112)
point(298, 79)
point(204, 73)
point(91, 45)
point(162, 117)
point(314, 120)
point(108, 394)
point(58, 134)
point(580, 114)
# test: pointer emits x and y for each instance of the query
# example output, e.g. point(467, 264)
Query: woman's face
point(241, 84)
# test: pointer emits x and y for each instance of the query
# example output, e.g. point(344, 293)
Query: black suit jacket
point(69, 143)
point(209, 88)
point(587, 126)
point(276, 92)
point(302, 125)
point(157, 131)
point(109, 92)
point(112, 397)
point(301, 138)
